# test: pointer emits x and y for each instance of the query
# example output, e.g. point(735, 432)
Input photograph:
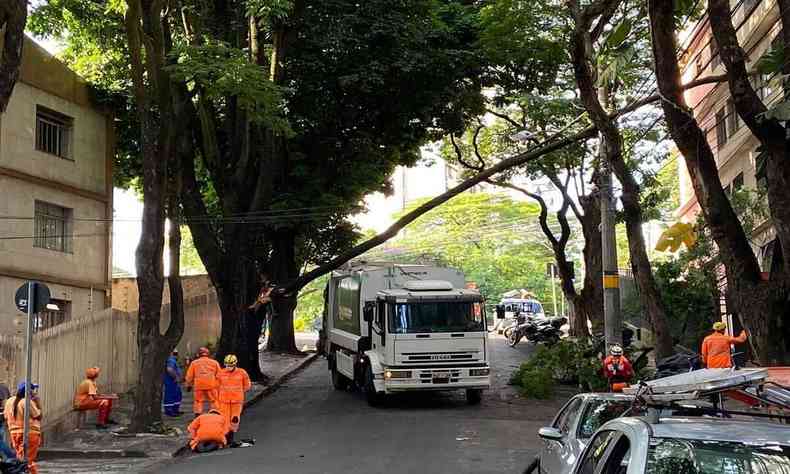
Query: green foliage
point(569, 361)
point(491, 238)
point(190, 260)
point(311, 305)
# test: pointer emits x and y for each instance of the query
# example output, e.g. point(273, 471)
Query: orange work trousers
point(34, 442)
point(232, 413)
point(204, 396)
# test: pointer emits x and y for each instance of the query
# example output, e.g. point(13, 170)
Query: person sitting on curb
point(88, 398)
point(207, 432)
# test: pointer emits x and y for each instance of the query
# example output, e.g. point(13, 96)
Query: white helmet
point(616, 350)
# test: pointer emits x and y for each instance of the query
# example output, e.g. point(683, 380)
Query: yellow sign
point(611, 281)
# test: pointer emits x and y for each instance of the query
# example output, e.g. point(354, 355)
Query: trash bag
point(13, 466)
point(677, 364)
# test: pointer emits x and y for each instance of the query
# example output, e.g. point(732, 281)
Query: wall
point(107, 339)
point(125, 295)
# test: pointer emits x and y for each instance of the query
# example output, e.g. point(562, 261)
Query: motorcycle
point(545, 330)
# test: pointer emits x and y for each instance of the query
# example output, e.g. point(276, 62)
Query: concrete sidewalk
point(109, 451)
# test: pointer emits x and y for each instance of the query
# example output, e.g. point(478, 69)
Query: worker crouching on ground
point(233, 383)
point(202, 377)
point(14, 412)
point(716, 347)
point(617, 369)
point(207, 432)
point(88, 398)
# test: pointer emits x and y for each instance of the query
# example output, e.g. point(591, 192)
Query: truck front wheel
point(473, 396)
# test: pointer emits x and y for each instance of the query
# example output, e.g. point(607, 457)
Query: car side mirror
point(368, 311)
point(551, 434)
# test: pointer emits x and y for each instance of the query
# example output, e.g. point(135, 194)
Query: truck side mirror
point(368, 311)
point(500, 311)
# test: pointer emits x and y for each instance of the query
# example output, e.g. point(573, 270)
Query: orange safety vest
point(716, 350)
point(85, 391)
point(16, 424)
point(232, 385)
point(209, 427)
point(202, 372)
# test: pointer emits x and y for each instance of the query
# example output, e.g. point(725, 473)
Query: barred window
point(53, 132)
point(721, 127)
point(57, 312)
point(733, 119)
point(53, 227)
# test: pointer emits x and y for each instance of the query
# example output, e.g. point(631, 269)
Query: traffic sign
point(41, 297)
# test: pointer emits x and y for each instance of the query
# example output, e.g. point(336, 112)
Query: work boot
point(229, 437)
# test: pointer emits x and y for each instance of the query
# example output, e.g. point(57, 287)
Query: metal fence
point(107, 339)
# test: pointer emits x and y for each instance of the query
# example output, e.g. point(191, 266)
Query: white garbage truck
point(396, 328)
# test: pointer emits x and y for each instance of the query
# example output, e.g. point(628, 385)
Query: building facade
point(56, 151)
point(737, 157)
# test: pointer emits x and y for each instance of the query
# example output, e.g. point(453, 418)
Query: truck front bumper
point(450, 378)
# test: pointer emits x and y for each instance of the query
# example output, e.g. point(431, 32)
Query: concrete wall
point(126, 297)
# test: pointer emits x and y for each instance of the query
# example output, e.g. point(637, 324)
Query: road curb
point(278, 381)
point(46, 454)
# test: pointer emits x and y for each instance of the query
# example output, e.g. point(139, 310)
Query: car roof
point(605, 396)
point(708, 429)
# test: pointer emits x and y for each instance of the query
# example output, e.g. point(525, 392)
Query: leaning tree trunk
point(284, 271)
point(590, 300)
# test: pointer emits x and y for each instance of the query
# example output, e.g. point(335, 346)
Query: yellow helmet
point(719, 326)
point(231, 360)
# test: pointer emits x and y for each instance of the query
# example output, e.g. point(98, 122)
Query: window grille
point(53, 227)
point(53, 132)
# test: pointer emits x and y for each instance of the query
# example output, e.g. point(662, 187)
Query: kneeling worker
point(207, 432)
point(88, 397)
point(233, 383)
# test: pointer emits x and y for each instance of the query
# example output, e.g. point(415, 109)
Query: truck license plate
point(441, 377)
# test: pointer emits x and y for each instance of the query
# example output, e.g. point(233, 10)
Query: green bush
point(537, 382)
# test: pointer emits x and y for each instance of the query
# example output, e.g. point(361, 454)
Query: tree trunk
point(284, 271)
point(13, 15)
point(590, 299)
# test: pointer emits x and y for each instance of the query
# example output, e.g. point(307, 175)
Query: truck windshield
point(407, 318)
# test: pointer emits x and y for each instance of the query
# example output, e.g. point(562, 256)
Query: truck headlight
point(398, 374)
point(479, 372)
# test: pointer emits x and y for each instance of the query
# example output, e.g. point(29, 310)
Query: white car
point(574, 425)
point(687, 446)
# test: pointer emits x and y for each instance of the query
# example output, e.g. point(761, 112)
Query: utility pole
point(613, 321)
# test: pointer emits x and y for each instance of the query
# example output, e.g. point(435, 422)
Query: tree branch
point(506, 118)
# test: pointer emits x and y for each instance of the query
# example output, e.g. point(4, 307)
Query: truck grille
point(439, 376)
point(438, 357)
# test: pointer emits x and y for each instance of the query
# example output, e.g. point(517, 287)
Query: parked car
point(678, 445)
point(574, 425)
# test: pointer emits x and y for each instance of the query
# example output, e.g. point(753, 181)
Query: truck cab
point(396, 328)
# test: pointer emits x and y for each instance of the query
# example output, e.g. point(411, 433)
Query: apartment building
point(56, 150)
point(758, 25)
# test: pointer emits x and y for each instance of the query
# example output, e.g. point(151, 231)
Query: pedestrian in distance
point(202, 377)
point(5, 450)
point(88, 397)
point(207, 432)
point(617, 369)
point(171, 401)
point(234, 382)
point(15, 414)
point(716, 347)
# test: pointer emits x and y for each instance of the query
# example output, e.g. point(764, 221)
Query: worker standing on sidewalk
point(716, 347)
point(172, 386)
point(14, 412)
point(202, 377)
point(233, 383)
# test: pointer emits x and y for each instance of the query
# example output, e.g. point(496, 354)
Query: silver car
point(574, 425)
point(687, 446)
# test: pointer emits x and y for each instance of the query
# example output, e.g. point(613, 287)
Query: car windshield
point(436, 317)
point(531, 307)
point(684, 456)
point(599, 412)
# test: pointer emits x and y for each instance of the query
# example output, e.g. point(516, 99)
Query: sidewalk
point(110, 451)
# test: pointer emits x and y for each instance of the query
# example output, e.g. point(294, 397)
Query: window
point(596, 450)
point(715, 59)
point(668, 455)
point(737, 183)
point(52, 317)
point(53, 132)
point(599, 412)
point(53, 227)
point(442, 316)
point(565, 419)
point(699, 66)
point(619, 458)
point(733, 119)
point(721, 127)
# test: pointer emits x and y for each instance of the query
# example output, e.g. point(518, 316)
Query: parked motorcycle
point(545, 330)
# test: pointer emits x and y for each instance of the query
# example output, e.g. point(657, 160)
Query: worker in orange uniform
point(202, 376)
point(207, 432)
point(14, 412)
point(716, 347)
point(617, 369)
point(88, 397)
point(233, 383)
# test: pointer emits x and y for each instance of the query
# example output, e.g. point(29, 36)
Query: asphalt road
point(307, 427)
